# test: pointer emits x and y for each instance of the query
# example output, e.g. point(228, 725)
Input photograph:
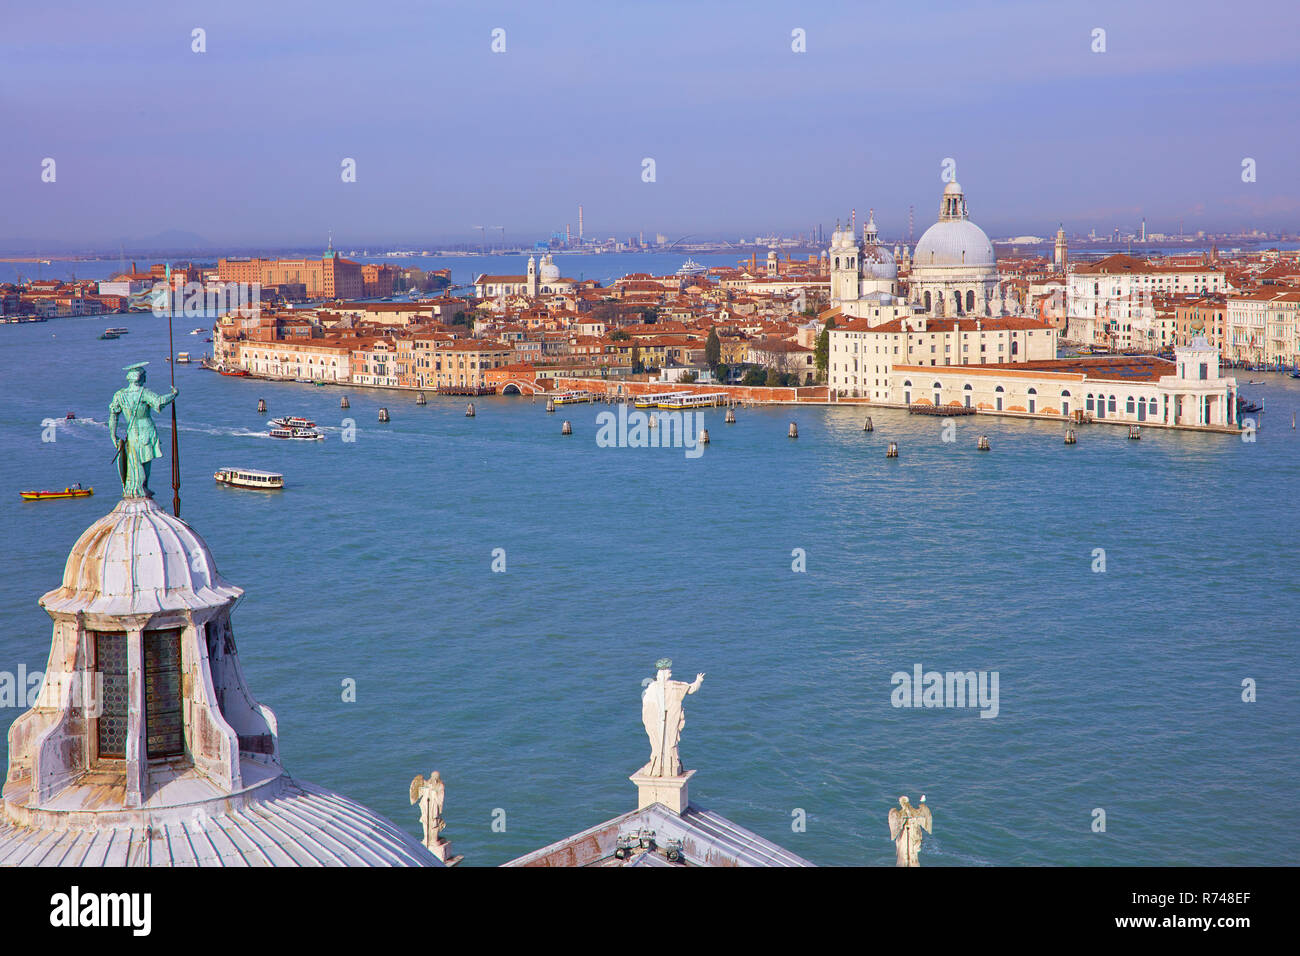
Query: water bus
point(297, 434)
point(249, 478)
point(293, 421)
point(653, 400)
point(695, 400)
point(183, 358)
point(573, 398)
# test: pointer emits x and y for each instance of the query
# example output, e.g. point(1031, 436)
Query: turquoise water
point(1119, 690)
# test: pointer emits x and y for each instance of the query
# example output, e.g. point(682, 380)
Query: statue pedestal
point(670, 791)
point(442, 850)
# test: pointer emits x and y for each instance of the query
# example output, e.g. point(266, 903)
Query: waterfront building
point(1263, 326)
point(330, 277)
point(1189, 392)
point(320, 360)
point(863, 354)
point(145, 746)
point(1104, 298)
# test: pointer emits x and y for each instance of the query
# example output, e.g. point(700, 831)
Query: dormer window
point(164, 723)
point(110, 665)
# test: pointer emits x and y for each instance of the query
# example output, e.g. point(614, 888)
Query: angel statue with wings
point(905, 825)
point(431, 794)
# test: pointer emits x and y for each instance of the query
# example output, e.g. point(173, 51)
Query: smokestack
point(579, 222)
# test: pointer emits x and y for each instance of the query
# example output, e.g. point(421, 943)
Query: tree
point(689, 377)
point(773, 378)
point(618, 335)
point(754, 375)
point(713, 349)
point(722, 373)
point(637, 366)
point(822, 354)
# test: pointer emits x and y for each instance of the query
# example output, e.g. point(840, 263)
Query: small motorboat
point(76, 491)
point(1255, 382)
point(196, 331)
point(69, 417)
point(236, 372)
point(319, 384)
point(293, 421)
point(110, 335)
point(1244, 405)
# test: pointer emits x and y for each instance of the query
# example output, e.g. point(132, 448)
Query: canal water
point(1119, 690)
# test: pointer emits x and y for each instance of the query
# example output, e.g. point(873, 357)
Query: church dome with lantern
point(145, 746)
point(954, 271)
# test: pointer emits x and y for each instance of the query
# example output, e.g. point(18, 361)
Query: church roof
point(297, 824)
point(707, 839)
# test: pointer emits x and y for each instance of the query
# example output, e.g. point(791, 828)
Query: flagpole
point(171, 362)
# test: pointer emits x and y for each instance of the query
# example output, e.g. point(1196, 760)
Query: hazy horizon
point(242, 145)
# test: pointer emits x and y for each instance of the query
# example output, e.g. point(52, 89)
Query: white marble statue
point(661, 712)
point(430, 794)
point(905, 825)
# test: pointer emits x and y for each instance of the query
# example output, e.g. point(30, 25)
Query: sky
point(244, 144)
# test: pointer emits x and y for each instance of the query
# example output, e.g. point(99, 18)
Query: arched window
point(1088, 402)
point(966, 392)
point(956, 301)
point(1128, 406)
point(997, 397)
point(970, 300)
point(837, 262)
point(1111, 404)
point(927, 301)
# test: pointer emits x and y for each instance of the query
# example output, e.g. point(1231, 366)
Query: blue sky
point(243, 143)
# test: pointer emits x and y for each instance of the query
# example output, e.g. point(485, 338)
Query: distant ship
point(692, 268)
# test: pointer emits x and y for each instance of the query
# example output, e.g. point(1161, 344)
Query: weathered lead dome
point(138, 559)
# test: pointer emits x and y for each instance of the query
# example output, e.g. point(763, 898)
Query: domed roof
point(138, 559)
point(953, 188)
point(291, 823)
point(549, 272)
point(955, 242)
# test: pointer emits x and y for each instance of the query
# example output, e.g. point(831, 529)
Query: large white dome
point(138, 559)
point(956, 242)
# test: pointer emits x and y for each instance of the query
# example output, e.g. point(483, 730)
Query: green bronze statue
point(140, 447)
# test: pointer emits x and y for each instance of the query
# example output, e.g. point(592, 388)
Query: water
point(1118, 690)
point(604, 267)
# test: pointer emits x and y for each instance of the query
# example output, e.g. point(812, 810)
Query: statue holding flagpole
point(661, 713)
point(139, 447)
point(906, 824)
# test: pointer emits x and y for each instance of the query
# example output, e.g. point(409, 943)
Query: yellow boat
point(76, 491)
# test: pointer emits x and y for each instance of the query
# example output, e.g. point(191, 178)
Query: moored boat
point(236, 372)
point(249, 478)
point(75, 491)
